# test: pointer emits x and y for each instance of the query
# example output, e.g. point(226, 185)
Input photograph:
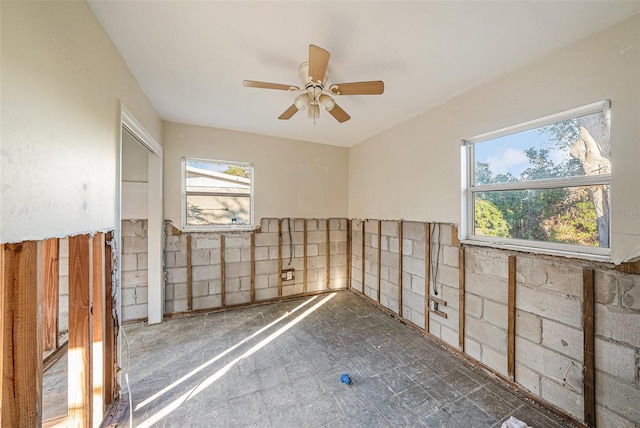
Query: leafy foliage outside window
point(546, 184)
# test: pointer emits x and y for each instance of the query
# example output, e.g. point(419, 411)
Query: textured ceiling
point(190, 57)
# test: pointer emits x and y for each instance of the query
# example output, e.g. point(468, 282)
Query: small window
point(544, 183)
point(217, 194)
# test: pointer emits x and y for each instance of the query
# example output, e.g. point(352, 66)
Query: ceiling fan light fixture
point(326, 102)
point(314, 112)
point(302, 101)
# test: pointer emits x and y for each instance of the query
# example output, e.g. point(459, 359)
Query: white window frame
point(213, 227)
point(469, 189)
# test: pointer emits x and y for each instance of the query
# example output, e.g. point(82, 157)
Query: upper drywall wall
point(413, 170)
point(292, 178)
point(62, 80)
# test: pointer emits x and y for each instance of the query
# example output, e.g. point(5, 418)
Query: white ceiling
point(190, 57)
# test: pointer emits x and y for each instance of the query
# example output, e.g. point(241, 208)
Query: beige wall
point(292, 178)
point(413, 170)
point(62, 80)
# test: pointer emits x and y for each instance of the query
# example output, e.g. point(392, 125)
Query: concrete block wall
point(206, 263)
point(549, 303)
point(134, 295)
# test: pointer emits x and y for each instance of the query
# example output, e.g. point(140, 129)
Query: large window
point(217, 194)
point(543, 183)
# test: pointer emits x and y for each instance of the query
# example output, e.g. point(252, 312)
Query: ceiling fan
point(314, 76)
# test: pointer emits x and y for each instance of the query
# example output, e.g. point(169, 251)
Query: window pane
point(574, 147)
point(218, 193)
point(570, 215)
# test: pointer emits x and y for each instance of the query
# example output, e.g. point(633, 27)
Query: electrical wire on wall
point(435, 265)
point(290, 241)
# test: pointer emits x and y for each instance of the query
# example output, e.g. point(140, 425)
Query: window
point(543, 183)
point(217, 194)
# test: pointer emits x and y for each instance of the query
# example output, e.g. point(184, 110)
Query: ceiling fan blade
point(375, 87)
point(267, 85)
point(339, 114)
point(318, 62)
point(288, 113)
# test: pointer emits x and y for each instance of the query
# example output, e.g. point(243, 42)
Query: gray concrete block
point(472, 348)
point(563, 339)
point(487, 334)
point(563, 398)
point(616, 360)
point(528, 326)
point(273, 225)
point(496, 313)
point(413, 266)
point(215, 286)
point(447, 275)
point(200, 257)
point(266, 267)
point(539, 272)
point(238, 269)
point(200, 241)
point(262, 253)
point(200, 288)
point(389, 259)
point(607, 418)
point(134, 312)
point(292, 290)
point(261, 281)
point(413, 300)
point(473, 305)
point(129, 262)
point(449, 335)
point(495, 360)
point(371, 227)
point(547, 362)
point(202, 273)
point(618, 324)
point(414, 230)
point(232, 284)
point(528, 378)
point(180, 305)
point(237, 240)
point(335, 283)
point(390, 228)
point(606, 287)
point(206, 302)
point(174, 243)
point(180, 291)
point(266, 239)
point(549, 304)
point(143, 261)
point(630, 291)
point(407, 247)
point(142, 295)
point(487, 261)
point(134, 244)
point(134, 278)
point(450, 256)
point(237, 298)
point(319, 237)
point(128, 296)
point(168, 291)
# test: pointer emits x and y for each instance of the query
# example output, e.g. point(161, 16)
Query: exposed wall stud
point(97, 283)
point(80, 331)
point(455, 242)
point(328, 250)
point(400, 223)
point(363, 257)
point(21, 352)
point(304, 251)
point(349, 246)
point(110, 327)
point(427, 274)
point(51, 295)
point(379, 258)
point(223, 285)
point(511, 323)
point(279, 257)
point(588, 328)
point(189, 276)
point(252, 291)
point(461, 281)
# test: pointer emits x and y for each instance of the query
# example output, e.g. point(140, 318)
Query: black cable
point(290, 241)
point(434, 271)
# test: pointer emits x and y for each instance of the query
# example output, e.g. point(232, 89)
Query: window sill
point(209, 229)
point(603, 258)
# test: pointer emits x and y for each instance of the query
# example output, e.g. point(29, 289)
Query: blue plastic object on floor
point(345, 378)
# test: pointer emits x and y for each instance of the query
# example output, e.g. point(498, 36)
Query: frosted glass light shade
point(302, 101)
point(326, 102)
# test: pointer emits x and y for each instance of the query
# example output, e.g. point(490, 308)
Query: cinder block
point(418, 285)
point(231, 255)
point(473, 305)
point(448, 276)
point(606, 286)
point(134, 312)
point(262, 253)
point(200, 257)
point(180, 291)
point(206, 302)
point(298, 225)
point(180, 305)
point(417, 318)
point(496, 313)
point(449, 335)
point(214, 256)
point(563, 398)
point(134, 278)
point(487, 334)
point(528, 378)
point(174, 243)
point(616, 360)
point(434, 325)
point(237, 240)
point(202, 273)
point(472, 348)
point(312, 224)
point(371, 227)
point(181, 259)
point(617, 324)
point(128, 296)
point(266, 239)
point(414, 231)
point(495, 360)
point(168, 292)
point(134, 244)
point(549, 304)
point(262, 281)
point(448, 294)
point(232, 285)
point(563, 339)
point(547, 362)
point(291, 290)
point(450, 256)
point(133, 228)
point(205, 241)
point(266, 267)
point(486, 261)
point(238, 269)
point(390, 228)
point(168, 307)
point(318, 237)
point(273, 225)
point(335, 283)
point(528, 326)
point(407, 247)
point(419, 249)
point(630, 291)
point(200, 288)
point(543, 273)
point(606, 418)
point(413, 266)
point(129, 262)
point(143, 261)
point(215, 286)
point(389, 259)
point(237, 298)
point(142, 295)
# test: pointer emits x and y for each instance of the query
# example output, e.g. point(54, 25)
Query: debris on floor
point(514, 423)
point(345, 378)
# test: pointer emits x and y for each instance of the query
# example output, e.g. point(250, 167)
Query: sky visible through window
point(507, 154)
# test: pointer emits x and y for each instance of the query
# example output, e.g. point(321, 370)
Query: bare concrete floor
point(279, 365)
